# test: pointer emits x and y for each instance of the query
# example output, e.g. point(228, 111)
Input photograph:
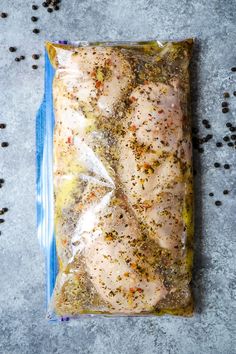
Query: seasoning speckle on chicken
point(122, 178)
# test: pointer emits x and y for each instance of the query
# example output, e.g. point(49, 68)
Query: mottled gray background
point(23, 328)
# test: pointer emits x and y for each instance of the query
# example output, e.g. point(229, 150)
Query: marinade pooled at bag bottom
point(122, 179)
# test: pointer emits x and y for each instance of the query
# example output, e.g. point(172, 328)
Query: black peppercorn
point(35, 7)
point(35, 56)
point(218, 203)
point(224, 104)
point(12, 49)
point(230, 144)
point(226, 95)
point(209, 137)
point(34, 67)
point(211, 194)
point(207, 126)
point(205, 121)
point(225, 191)
point(219, 144)
point(56, 8)
point(45, 4)
point(2, 180)
point(1, 221)
point(226, 138)
point(195, 130)
point(233, 68)
point(234, 93)
point(4, 144)
point(2, 126)
point(36, 30)
point(50, 10)
point(217, 164)
point(22, 57)
point(232, 129)
point(4, 15)
point(226, 166)
point(225, 110)
point(228, 125)
point(5, 210)
point(17, 59)
point(233, 137)
point(34, 19)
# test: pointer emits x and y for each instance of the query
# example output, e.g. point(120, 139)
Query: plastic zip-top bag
point(114, 179)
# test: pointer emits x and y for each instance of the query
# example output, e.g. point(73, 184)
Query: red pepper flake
point(140, 290)
point(133, 99)
point(69, 140)
point(108, 62)
point(98, 84)
point(161, 111)
point(133, 128)
point(132, 290)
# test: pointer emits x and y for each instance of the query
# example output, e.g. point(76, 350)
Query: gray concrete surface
point(23, 328)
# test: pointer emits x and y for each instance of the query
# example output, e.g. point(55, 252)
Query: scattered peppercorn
point(4, 144)
point(219, 144)
point(36, 30)
point(234, 93)
point(207, 126)
point(45, 4)
point(205, 121)
point(1, 221)
point(17, 59)
point(12, 49)
point(5, 210)
point(232, 129)
point(226, 95)
point(34, 67)
point(209, 137)
point(233, 68)
point(35, 56)
point(226, 138)
point(2, 180)
point(56, 8)
point(225, 110)
point(35, 7)
point(211, 194)
point(224, 104)
point(226, 166)
point(230, 144)
point(218, 203)
point(4, 15)
point(22, 57)
point(2, 126)
point(34, 19)
point(225, 191)
point(217, 164)
point(228, 125)
point(50, 10)
point(233, 137)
